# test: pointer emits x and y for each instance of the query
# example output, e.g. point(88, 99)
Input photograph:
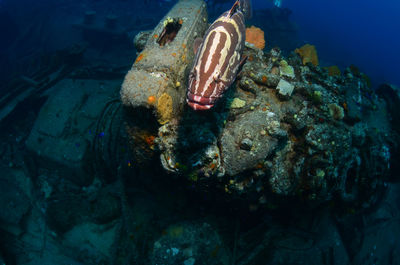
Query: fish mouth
point(199, 102)
point(199, 106)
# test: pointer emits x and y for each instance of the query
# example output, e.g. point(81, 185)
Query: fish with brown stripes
point(219, 56)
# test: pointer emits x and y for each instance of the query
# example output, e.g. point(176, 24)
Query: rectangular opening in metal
point(171, 28)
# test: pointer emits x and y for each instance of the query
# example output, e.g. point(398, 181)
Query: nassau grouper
point(218, 57)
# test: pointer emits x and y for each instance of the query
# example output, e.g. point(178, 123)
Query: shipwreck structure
point(106, 164)
point(286, 129)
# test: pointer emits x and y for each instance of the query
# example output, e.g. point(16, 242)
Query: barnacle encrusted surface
point(297, 135)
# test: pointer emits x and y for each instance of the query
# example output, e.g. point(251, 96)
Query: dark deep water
point(102, 162)
point(349, 32)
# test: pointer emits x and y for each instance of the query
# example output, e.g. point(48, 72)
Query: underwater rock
point(249, 85)
point(260, 146)
point(262, 77)
point(96, 242)
point(14, 202)
point(96, 206)
point(188, 244)
point(66, 125)
point(275, 54)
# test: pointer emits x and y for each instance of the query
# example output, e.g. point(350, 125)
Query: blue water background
point(364, 33)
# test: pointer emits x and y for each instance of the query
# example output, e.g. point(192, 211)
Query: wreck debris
point(44, 72)
point(164, 60)
point(290, 138)
point(285, 88)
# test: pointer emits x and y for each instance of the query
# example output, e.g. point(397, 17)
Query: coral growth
point(255, 36)
point(336, 111)
point(333, 70)
point(151, 100)
point(238, 103)
point(308, 54)
point(140, 57)
point(286, 69)
point(164, 108)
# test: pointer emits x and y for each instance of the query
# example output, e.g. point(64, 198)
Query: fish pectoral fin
point(192, 73)
point(243, 60)
point(196, 44)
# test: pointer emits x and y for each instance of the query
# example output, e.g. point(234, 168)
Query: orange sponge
point(255, 36)
point(308, 54)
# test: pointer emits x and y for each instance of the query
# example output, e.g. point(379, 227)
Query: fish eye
point(216, 78)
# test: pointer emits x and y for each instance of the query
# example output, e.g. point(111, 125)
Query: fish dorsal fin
point(233, 9)
point(196, 44)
